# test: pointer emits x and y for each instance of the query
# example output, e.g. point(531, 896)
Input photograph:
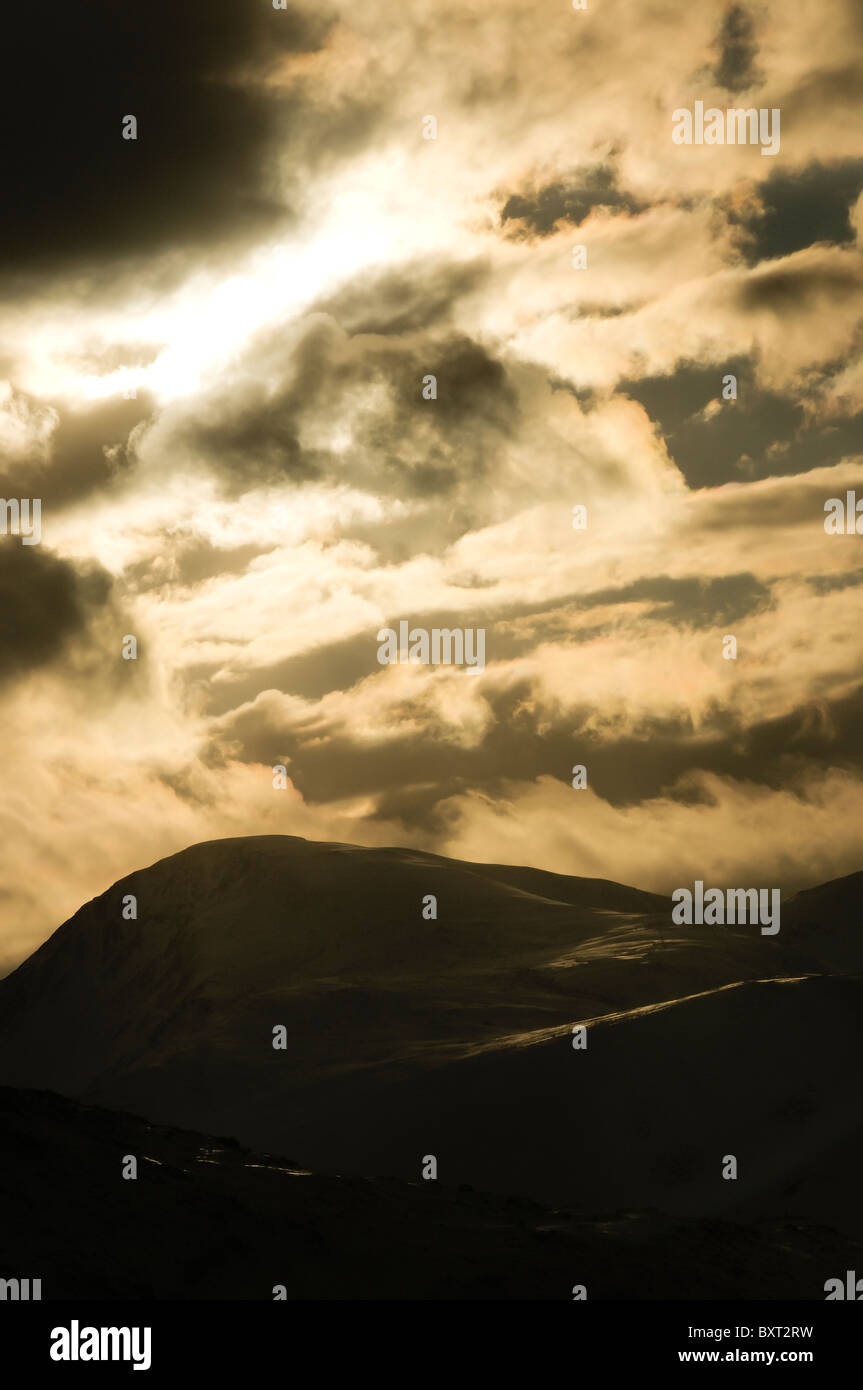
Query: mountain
point(826, 921)
point(408, 1037)
point(239, 1223)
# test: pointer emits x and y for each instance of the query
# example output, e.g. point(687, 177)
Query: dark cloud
point(690, 601)
point(404, 300)
point(88, 451)
point(754, 512)
point(400, 444)
point(737, 50)
point(199, 169)
point(539, 211)
point(832, 583)
point(257, 443)
point(310, 675)
point(761, 434)
point(45, 602)
point(188, 560)
point(796, 209)
point(789, 752)
point(472, 386)
point(410, 777)
point(801, 287)
point(586, 309)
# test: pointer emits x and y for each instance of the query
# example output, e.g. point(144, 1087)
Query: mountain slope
point(237, 1223)
point(407, 1037)
point(827, 921)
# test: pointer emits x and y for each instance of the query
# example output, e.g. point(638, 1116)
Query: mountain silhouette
point(408, 1036)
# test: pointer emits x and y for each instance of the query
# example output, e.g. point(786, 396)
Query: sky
point(213, 342)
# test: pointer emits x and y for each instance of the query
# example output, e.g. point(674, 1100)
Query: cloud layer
point(216, 347)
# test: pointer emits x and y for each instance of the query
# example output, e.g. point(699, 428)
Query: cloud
point(540, 211)
point(800, 284)
point(318, 402)
point(415, 296)
point(209, 117)
point(793, 209)
point(86, 450)
point(734, 835)
point(45, 603)
point(378, 734)
point(737, 46)
point(761, 433)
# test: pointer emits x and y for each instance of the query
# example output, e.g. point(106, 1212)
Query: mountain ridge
point(405, 1036)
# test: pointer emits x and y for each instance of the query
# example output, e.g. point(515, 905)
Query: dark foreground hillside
point(208, 1219)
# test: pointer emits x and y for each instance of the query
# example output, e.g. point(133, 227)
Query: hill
point(406, 1036)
